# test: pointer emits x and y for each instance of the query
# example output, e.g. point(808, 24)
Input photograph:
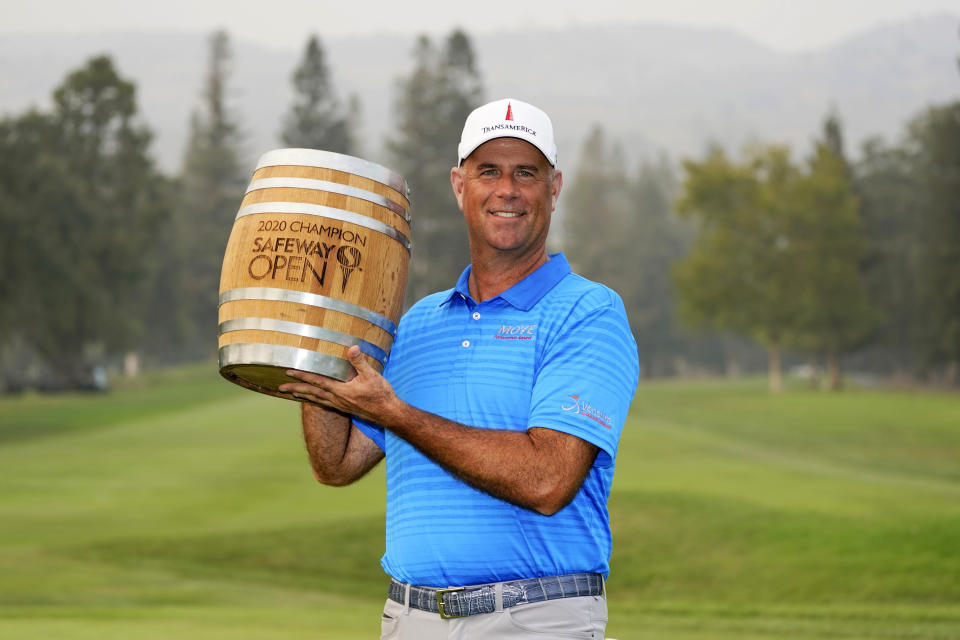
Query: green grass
point(182, 506)
point(804, 515)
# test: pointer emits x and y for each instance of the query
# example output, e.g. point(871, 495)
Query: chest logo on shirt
point(516, 332)
point(584, 408)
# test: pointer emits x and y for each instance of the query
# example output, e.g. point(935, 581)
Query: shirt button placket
point(470, 336)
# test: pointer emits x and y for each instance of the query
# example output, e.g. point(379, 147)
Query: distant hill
point(653, 87)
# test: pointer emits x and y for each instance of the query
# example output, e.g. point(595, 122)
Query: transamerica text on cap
point(515, 127)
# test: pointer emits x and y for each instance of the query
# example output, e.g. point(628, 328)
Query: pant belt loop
point(406, 597)
point(498, 596)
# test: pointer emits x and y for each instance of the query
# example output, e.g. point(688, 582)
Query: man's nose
point(507, 186)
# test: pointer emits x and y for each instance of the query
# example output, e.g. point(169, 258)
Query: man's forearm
point(539, 469)
point(339, 453)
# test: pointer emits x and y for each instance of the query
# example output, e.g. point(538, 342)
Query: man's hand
point(367, 395)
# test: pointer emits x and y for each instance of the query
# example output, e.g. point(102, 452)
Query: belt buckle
point(440, 594)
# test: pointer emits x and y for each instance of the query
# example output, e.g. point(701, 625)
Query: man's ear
point(557, 185)
point(456, 181)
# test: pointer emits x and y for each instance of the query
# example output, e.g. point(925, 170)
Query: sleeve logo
point(584, 408)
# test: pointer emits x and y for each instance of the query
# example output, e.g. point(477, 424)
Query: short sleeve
point(372, 431)
point(587, 376)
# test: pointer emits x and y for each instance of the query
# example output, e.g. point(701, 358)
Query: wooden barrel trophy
point(317, 262)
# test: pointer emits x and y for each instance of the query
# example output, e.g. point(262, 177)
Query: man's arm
point(540, 469)
point(339, 452)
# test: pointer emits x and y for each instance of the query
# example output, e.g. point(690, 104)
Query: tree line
point(819, 260)
point(106, 259)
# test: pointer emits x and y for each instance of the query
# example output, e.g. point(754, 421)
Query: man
point(498, 413)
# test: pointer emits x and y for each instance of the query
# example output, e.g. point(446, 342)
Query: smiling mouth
point(506, 214)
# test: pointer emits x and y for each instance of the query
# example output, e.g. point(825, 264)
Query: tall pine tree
point(211, 186)
point(836, 314)
point(431, 105)
point(598, 210)
point(619, 229)
point(317, 120)
point(934, 144)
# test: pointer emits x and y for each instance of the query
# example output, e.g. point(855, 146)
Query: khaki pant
point(583, 618)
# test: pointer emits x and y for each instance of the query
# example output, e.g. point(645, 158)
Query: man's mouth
point(506, 214)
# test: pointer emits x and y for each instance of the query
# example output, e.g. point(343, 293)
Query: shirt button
point(476, 315)
point(465, 343)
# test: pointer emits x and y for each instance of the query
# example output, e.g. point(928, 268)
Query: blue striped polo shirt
point(555, 351)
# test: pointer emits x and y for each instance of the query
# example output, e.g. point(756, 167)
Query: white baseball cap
point(508, 118)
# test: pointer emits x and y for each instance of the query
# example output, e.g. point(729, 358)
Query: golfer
point(498, 413)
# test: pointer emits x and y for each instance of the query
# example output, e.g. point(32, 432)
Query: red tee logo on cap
point(509, 113)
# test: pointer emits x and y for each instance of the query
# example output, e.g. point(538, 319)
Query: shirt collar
point(526, 293)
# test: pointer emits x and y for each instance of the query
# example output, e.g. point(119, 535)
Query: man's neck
point(493, 275)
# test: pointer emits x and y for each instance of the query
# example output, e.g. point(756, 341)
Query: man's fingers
point(309, 383)
point(306, 393)
point(312, 379)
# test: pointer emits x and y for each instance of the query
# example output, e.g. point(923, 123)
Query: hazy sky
point(788, 25)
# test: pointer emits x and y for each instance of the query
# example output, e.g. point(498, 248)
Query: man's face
point(507, 191)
